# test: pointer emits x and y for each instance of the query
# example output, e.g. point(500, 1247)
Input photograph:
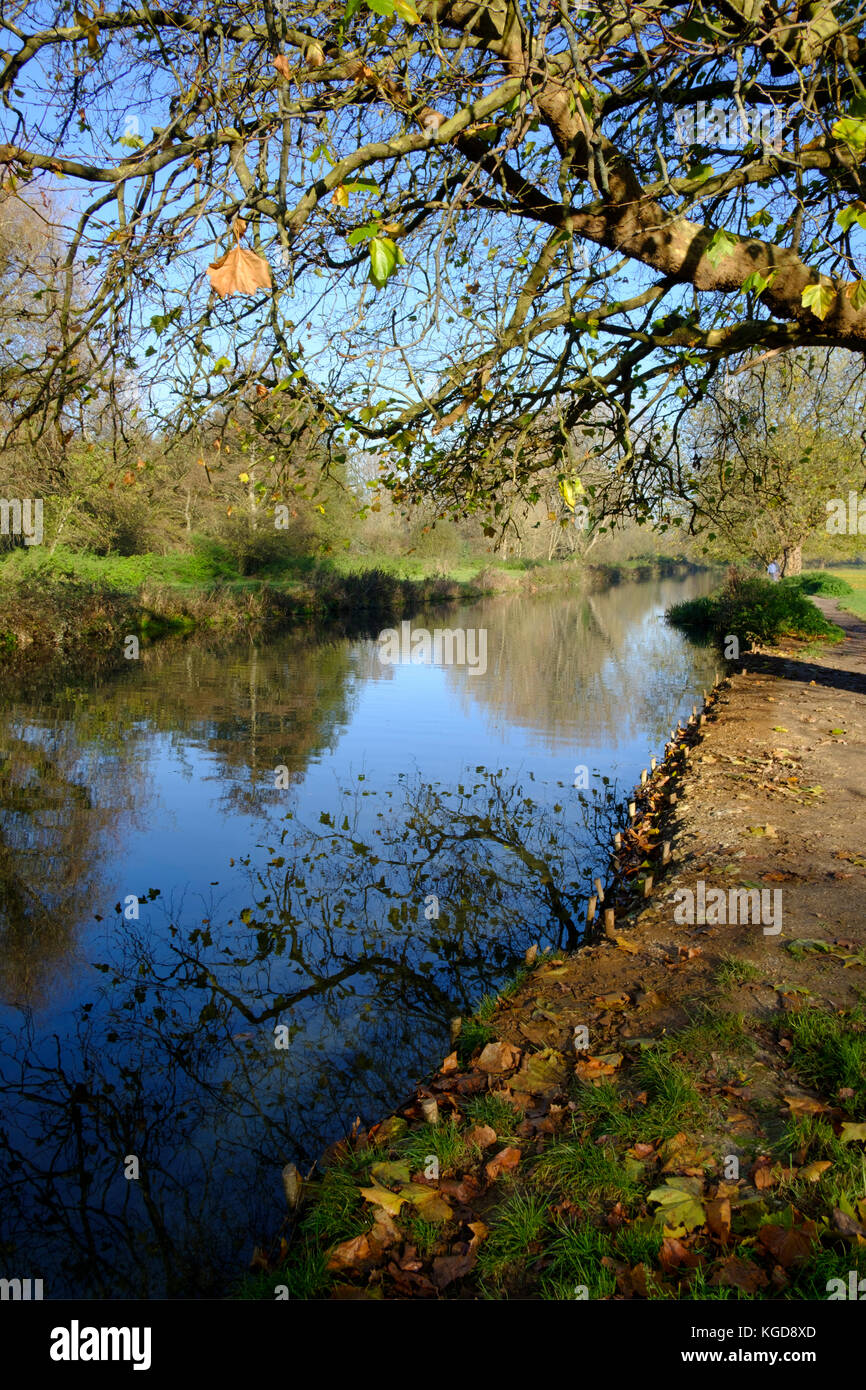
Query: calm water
point(243, 892)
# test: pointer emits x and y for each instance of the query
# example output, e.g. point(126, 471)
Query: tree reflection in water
point(340, 951)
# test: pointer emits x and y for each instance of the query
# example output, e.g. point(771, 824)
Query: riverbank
point(679, 1109)
point(80, 610)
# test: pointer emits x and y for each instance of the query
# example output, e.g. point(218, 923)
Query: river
point(243, 891)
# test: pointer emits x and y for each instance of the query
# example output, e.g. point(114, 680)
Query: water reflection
point(297, 952)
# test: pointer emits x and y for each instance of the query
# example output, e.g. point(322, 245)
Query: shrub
point(756, 610)
point(820, 582)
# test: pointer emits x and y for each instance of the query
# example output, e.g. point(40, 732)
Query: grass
point(578, 1218)
point(733, 970)
point(830, 1055)
point(855, 600)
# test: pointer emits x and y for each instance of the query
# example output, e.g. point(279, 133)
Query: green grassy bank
point(72, 604)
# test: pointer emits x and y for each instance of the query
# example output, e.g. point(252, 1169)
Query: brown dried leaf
point(788, 1247)
point(805, 1105)
point(482, 1135)
point(447, 1268)
point(813, 1171)
point(239, 271)
point(281, 63)
point(350, 1254)
point(498, 1057)
point(673, 1254)
point(503, 1162)
point(719, 1217)
point(735, 1273)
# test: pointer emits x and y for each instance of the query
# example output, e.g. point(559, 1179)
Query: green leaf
point(406, 11)
point(721, 245)
point(700, 171)
point(363, 233)
point(759, 219)
point(383, 7)
point(851, 1133)
point(818, 298)
point(856, 212)
point(852, 131)
point(384, 259)
point(857, 294)
point(679, 1208)
point(362, 186)
point(756, 283)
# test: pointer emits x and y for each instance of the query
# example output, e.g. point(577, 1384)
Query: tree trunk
point(792, 560)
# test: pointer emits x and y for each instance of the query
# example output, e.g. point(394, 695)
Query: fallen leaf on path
point(350, 1254)
point(498, 1057)
point(851, 1133)
point(542, 1073)
point(679, 1209)
point(673, 1254)
point(847, 1225)
point(739, 1274)
point(482, 1135)
point(719, 1217)
point(813, 1171)
point(430, 1205)
point(503, 1162)
point(788, 1247)
point(805, 1105)
point(617, 999)
point(447, 1268)
point(462, 1190)
point(381, 1197)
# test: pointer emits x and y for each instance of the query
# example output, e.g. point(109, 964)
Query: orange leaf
point(282, 66)
point(502, 1162)
point(239, 271)
point(350, 1253)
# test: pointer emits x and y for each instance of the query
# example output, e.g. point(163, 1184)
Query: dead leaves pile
point(384, 1261)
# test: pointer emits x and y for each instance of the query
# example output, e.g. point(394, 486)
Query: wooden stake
point(643, 777)
point(666, 852)
point(632, 810)
point(590, 910)
point(647, 885)
point(608, 921)
point(599, 890)
point(653, 764)
point(617, 841)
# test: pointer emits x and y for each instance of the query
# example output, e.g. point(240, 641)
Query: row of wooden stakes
point(631, 844)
